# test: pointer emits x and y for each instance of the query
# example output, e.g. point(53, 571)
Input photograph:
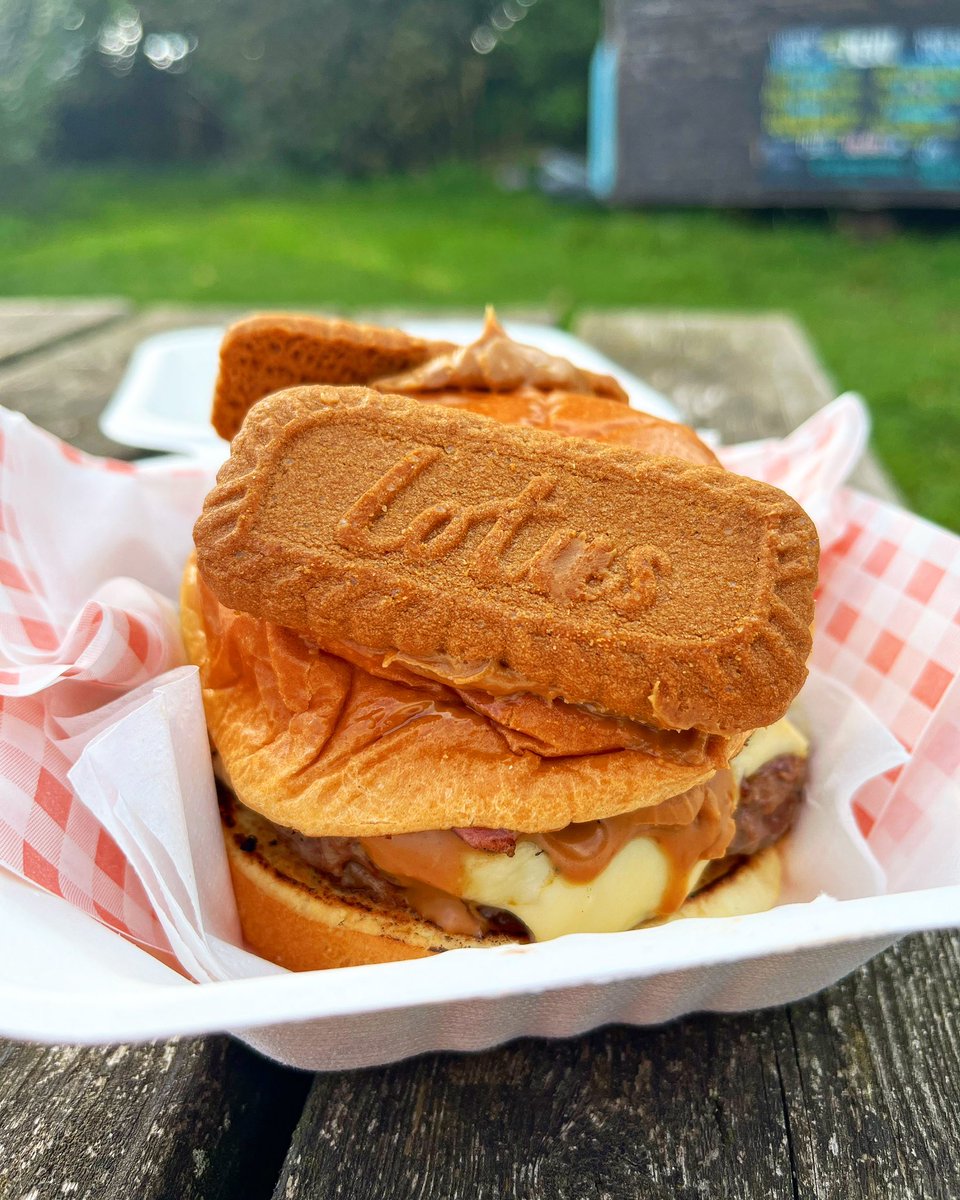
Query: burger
point(487, 656)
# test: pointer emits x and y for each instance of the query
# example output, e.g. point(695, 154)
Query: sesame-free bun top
point(316, 743)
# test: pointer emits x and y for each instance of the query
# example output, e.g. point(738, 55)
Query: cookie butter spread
point(496, 363)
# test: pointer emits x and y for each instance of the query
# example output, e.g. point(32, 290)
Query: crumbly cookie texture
point(265, 353)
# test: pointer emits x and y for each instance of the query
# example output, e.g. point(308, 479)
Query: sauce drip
point(434, 858)
point(689, 828)
point(450, 913)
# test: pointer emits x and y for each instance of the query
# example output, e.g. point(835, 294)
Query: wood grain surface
point(30, 325)
point(854, 1093)
point(745, 376)
point(191, 1120)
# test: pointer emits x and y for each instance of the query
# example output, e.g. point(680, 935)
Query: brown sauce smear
point(448, 912)
point(333, 703)
point(434, 858)
point(534, 719)
point(496, 363)
point(690, 828)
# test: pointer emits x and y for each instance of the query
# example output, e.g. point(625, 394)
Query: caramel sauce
point(691, 828)
point(429, 869)
point(434, 858)
point(534, 719)
point(688, 828)
point(448, 912)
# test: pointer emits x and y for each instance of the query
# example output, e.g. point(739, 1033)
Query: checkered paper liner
point(87, 629)
point(888, 627)
point(80, 640)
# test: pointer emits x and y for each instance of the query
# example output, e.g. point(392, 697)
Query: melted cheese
point(626, 893)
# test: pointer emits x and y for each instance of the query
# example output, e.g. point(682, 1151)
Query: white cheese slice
point(627, 891)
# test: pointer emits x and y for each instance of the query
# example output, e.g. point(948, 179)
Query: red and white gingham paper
point(86, 628)
point(77, 637)
point(888, 626)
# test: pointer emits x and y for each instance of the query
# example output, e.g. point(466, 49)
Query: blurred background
point(551, 154)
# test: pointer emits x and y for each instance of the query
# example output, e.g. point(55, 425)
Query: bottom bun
point(297, 918)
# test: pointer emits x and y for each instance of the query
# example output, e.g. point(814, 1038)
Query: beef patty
point(768, 805)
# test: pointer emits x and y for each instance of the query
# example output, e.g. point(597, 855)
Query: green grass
point(884, 315)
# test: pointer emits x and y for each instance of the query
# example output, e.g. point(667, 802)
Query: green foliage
point(322, 85)
point(359, 87)
point(885, 315)
point(536, 84)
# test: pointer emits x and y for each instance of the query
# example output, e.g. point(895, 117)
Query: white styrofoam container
point(462, 1000)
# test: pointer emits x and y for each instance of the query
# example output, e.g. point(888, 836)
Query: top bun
point(317, 744)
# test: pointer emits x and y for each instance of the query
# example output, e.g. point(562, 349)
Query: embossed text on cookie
point(567, 566)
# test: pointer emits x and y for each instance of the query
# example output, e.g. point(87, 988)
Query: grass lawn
point(884, 315)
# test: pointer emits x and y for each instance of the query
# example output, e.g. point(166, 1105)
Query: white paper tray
point(463, 1000)
point(163, 401)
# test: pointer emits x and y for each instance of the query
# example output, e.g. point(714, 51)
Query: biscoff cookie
point(265, 353)
point(659, 590)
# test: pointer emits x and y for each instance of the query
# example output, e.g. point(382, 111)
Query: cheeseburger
point(486, 655)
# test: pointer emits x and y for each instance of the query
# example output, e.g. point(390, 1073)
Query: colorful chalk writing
point(861, 106)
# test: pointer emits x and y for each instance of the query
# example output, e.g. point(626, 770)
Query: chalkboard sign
point(778, 101)
point(869, 105)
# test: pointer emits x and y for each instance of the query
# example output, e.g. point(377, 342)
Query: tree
point(33, 60)
point(358, 87)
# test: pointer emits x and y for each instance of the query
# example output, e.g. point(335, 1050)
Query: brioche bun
point(296, 917)
point(423, 775)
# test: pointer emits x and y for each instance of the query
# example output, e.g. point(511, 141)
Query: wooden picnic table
point(853, 1093)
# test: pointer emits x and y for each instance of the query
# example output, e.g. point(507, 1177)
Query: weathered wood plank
point(646, 1114)
point(191, 1120)
point(747, 376)
point(871, 1078)
point(65, 389)
point(27, 325)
